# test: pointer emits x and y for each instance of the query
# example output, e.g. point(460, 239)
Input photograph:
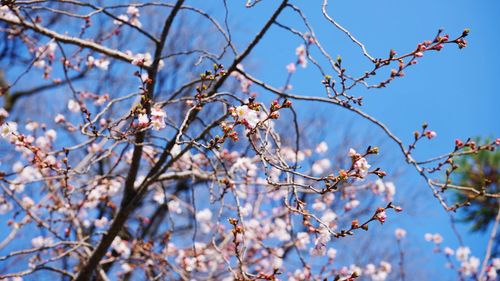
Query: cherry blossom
point(322, 147)
point(462, 253)
point(301, 53)
point(362, 166)
point(430, 134)
point(74, 106)
point(158, 118)
point(400, 233)
point(143, 120)
point(41, 241)
point(238, 182)
point(250, 116)
point(321, 166)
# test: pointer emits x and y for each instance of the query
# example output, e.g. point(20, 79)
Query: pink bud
point(381, 216)
point(430, 134)
point(143, 120)
point(291, 68)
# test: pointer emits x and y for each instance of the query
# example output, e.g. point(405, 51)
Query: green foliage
point(479, 170)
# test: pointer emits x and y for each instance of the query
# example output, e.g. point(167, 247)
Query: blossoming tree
point(135, 147)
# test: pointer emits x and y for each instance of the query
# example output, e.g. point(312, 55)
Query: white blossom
point(102, 222)
point(247, 114)
point(331, 253)
point(158, 118)
point(7, 129)
point(143, 120)
point(400, 233)
point(27, 202)
point(437, 238)
point(102, 63)
point(121, 17)
point(133, 11)
point(462, 253)
point(41, 241)
point(321, 166)
point(322, 147)
point(121, 247)
point(73, 106)
point(362, 166)
point(59, 118)
point(302, 240)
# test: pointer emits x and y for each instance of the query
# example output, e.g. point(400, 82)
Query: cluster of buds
point(328, 81)
point(469, 146)
point(411, 58)
point(270, 276)
point(275, 106)
point(379, 215)
point(207, 78)
point(342, 175)
point(429, 134)
point(381, 174)
point(246, 115)
point(461, 42)
point(473, 146)
point(237, 229)
point(359, 169)
point(228, 131)
point(218, 71)
point(145, 80)
point(227, 183)
point(306, 220)
point(399, 72)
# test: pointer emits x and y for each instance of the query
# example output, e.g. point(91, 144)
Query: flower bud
point(355, 224)
point(430, 134)
point(373, 150)
point(416, 134)
point(286, 103)
point(274, 115)
point(392, 53)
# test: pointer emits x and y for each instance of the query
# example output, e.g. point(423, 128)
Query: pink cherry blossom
point(400, 233)
point(143, 120)
point(291, 68)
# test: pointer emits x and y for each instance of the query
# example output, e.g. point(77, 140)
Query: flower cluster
point(131, 17)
